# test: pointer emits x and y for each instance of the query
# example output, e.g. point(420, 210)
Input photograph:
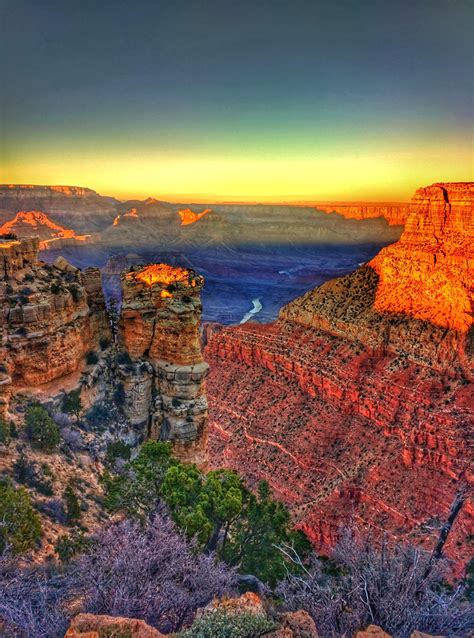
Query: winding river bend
point(257, 306)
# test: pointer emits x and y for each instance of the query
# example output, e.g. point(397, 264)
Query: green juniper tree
point(72, 403)
point(41, 429)
point(20, 525)
point(216, 509)
point(73, 508)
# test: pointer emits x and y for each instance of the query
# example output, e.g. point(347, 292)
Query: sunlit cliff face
point(164, 274)
point(131, 213)
point(190, 217)
point(35, 223)
point(428, 273)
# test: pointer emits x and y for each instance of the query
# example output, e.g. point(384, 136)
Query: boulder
point(62, 264)
point(372, 631)
point(92, 626)
point(295, 624)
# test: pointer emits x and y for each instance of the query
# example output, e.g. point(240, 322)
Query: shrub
point(92, 358)
point(396, 587)
point(98, 416)
point(119, 396)
point(54, 509)
point(20, 525)
point(41, 429)
point(177, 582)
point(75, 292)
point(146, 572)
point(28, 473)
point(124, 359)
point(72, 403)
point(229, 625)
point(32, 604)
point(73, 508)
point(55, 288)
point(104, 343)
point(70, 545)
point(5, 432)
point(118, 450)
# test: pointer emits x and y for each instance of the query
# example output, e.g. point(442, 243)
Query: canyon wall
point(356, 405)
point(164, 375)
point(75, 207)
point(395, 213)
point(51, 316)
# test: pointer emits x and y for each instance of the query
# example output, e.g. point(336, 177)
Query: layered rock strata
point(357, 404)
point(72, 206)
point(164, 379)
point(50, 317)
point(395, 213)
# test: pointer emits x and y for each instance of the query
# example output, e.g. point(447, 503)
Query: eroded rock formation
point(356, 404)
point(164, 380)
point(50, 317)
point(33, 223)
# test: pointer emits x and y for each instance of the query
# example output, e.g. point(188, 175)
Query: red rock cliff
point(356, 403)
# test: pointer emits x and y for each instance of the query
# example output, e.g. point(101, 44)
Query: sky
point(214, 100)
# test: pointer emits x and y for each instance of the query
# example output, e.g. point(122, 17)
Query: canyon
point(245, 251)
point(356, 404)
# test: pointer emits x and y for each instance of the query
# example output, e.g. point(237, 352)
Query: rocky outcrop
point(50, 317)
point(355, 404)
point(395, 213)
point(164, 379)
point(72, 206)
point(16, 255)
point(92, 626)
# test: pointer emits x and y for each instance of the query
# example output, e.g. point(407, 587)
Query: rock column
point(160, 318)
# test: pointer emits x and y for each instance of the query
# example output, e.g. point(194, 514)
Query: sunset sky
point(239, 100)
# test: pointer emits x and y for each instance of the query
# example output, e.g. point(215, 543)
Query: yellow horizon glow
point(369, 176)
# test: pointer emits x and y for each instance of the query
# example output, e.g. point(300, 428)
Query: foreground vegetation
point(182, 538)
point(216, 510)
